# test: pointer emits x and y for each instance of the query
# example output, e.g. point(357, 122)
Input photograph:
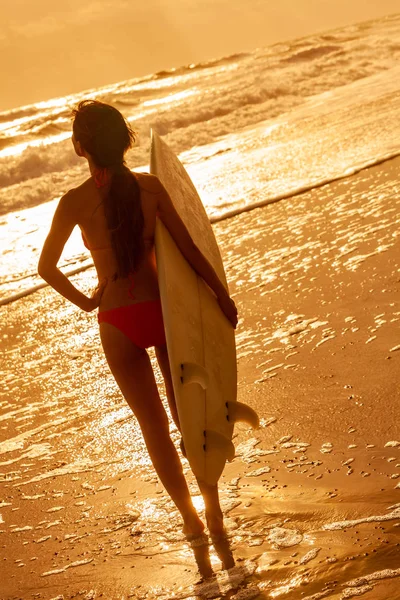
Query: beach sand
point(312, 500)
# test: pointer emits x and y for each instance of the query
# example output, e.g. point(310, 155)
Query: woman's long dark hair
point(103, 132)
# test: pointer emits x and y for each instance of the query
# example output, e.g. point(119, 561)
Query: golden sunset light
point(199, 300)
point(51, 49)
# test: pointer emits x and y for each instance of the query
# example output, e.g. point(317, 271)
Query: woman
point(116, 211)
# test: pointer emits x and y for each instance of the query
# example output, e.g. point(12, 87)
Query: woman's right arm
point(180, 234)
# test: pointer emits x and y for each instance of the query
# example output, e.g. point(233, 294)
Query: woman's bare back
point(140, 286)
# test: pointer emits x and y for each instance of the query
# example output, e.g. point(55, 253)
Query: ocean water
point(311, 502)
point(251, 128)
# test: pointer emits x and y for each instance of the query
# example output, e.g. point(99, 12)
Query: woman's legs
point(214, 516)
point(209, 492)
point(133, 373)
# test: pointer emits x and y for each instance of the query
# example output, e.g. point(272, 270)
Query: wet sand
point(312, 500)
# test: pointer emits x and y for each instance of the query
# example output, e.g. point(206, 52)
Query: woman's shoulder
point(73, 201)
point(77, 192)
point(83, 187)
point(149, 182)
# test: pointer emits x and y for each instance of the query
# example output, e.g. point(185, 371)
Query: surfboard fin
point(217, 441)
point(194, 373)
point(237, 411)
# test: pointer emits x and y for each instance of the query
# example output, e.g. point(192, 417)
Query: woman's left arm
point(63, 223)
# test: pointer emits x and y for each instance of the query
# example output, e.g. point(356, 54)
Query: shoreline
point(228, 215)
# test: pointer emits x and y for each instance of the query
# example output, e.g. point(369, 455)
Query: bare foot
point(224, 551)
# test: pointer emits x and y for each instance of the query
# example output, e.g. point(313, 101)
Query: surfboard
point(200, 339)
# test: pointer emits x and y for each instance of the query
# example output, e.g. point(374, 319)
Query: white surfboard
point(200, 339)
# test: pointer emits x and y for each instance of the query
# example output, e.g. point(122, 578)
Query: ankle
point(193, 525)
point(215, 522)
point(214, 513)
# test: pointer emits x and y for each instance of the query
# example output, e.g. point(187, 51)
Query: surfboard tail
point(237, 411)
